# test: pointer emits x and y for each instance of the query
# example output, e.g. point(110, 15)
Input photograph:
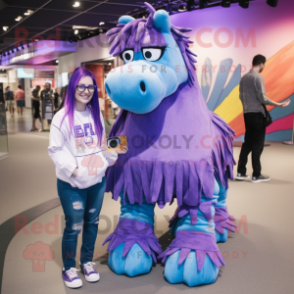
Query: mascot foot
point(192, 258)
point(187, 271)
point(135, 263)
point(223, 224)
point(132, 248)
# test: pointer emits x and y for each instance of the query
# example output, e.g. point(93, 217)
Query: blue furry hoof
point(221, 237)
point(187, 272)
point(135, 263)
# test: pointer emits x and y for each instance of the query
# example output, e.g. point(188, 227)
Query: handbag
point(268, 119)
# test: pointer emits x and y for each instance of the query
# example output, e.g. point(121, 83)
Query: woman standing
point(36, 107)
point(78, 150)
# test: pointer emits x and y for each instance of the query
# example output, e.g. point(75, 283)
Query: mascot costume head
point(177, 149)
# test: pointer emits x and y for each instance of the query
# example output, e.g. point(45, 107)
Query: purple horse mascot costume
point(177, 149)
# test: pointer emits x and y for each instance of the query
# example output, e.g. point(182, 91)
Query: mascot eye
point(152, 54)
point(127, 56)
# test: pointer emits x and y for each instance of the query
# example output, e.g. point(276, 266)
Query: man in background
point(20, 99)
point(56, 98)
point(9, 97)
point(47, 106)
point(253, 98)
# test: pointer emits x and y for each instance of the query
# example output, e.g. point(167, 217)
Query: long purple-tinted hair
point(69, 101)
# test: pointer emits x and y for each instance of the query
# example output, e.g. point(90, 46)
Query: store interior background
point(225, 40)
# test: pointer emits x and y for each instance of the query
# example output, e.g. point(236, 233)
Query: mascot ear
point(125, 19)
point(161, 21)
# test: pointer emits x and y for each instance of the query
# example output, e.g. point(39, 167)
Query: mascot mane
point(135, 33)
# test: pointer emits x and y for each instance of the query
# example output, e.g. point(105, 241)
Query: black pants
point(253, 142)
point(36, 109)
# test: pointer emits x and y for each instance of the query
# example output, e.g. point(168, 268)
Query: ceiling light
point(18, 18)
point(101, 23)
point(56, 60)
point(84, 28)
point(109, 63)
point(182, 8)
point(5, 28)
point(28, 12)
point(76, 4)
point(76, 32)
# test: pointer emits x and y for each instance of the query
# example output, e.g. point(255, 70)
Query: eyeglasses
point(82, 88)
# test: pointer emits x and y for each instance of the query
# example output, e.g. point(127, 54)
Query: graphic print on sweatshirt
point(92, 162)
point(86, 146)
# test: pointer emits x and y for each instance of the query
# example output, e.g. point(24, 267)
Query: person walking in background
point(56, 99)
point(254, 99)
point(20, 99)
point(9, 96)
point(47, 94)
point(35, 107)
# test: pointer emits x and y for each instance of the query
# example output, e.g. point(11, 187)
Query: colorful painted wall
point(225, 41)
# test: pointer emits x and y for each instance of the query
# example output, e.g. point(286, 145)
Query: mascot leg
point(133, 244)
point(223, 221)
point(193, 257)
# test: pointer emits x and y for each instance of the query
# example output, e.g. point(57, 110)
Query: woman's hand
point(74, 174)
point(285, 103)
point(124, 150)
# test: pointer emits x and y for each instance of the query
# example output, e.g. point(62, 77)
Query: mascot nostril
point(179, 149)
point(142, 86)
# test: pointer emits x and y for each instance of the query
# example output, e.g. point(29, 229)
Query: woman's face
point(85, 96)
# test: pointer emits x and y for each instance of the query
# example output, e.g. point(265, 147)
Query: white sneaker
point(71, 278)
point(91, 275)
point(241, 177)
point(260, 179)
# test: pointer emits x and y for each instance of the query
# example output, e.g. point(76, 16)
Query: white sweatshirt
point(79, 150)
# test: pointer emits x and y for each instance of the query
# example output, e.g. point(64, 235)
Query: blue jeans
point(81, 209)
